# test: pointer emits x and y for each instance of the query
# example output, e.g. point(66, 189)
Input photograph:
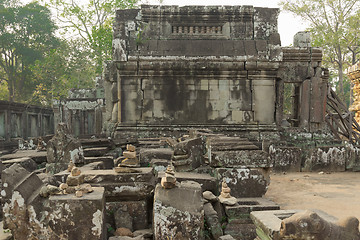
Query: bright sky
point(288, 25)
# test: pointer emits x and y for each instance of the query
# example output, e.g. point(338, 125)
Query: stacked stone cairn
point(129, 162)
point(225, 197)
point(169, 180)
point(74, 184)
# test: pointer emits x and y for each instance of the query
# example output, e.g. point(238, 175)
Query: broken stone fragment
point(129, 162)
point(48, 190)
point(130, 148)
point(70, 166)
point(85, 188)
point(125, 170)
point(70, 190)
point(228, 201)
point(75, 180)
point(129, 154)
point(166, 184)
point(124, 232)
point(75, 172)
point(209, 196)
point(63, 186)
point(79, 194)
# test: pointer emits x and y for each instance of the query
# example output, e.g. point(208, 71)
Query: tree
point(60, 70)
point(334, 27)
point(92, 22)
point(26, 32)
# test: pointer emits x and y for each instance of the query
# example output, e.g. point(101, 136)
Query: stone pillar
point(178, 212)
point(264, 101)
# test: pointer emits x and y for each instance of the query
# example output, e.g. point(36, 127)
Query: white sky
point(288, 25)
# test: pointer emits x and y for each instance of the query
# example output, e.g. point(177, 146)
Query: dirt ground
point(337, 194)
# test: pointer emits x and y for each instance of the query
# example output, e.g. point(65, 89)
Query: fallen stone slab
point(127, 186)
point(268, 223)
point(107, 160)
point(146, 155)
point(38, 157)
point(178, 212)
point(207, 182)
point(243, 181)
point(26, 162)
point(248, 158)
point(240, 231)
point(95, 151)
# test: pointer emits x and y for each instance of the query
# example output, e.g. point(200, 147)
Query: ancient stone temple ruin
point(211, 66)
point(201, 103)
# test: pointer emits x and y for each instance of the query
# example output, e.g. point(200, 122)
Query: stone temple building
point(219, 67)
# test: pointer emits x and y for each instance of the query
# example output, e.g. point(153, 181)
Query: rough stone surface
point(243, 182)
point(286, 158)
point(26, 162)
point(147, 155)
point(130, 214)
point(207, 182)
point(178, 212)
point(212, 221)
point(63, 147)
point(306, 225)
point(268, 223)
point(249, 158)
point(207, 195)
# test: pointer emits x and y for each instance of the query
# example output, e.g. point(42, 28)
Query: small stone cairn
point(74, 184)
point(169, 180)
point(129, 162)
point(225, 197)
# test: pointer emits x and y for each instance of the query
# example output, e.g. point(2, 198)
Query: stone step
point(99, 142)
point(207, 182)
point(26, 162)
point(95, 151)
point(234, 147)
point(107, 160)
point(249, 158)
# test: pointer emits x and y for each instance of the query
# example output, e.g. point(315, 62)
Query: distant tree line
point(334, 26)
point(50, 47)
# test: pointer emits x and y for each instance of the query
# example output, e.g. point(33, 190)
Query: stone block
point(207, 182)
point(286, 159)
point(86, 213)
point(249, 158)
point(331, 159)
point(133, 215)
point(245, 206)
point(129, 186)
point(240, 231)
point(95, 151)
point(159, 165)
point(268, 223)
point(107, 160)
point(178, 212)
point(212, 221)
point(146, 155)
point(128, 154)
point(26, 162)
point(243, 181)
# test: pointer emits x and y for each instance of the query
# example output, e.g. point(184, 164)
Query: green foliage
point(91, 22)
point(334, 26)
point(59, 71)
point(26, 33)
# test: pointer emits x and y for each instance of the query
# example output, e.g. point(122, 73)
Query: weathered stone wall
point(82, 111)
point(353, 73)
point(22, 121)
point(209, 65)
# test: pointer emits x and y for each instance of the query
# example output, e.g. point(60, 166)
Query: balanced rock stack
point(130, 160)
point(75, 183)
point(169, 181)
point(225, 197)
point(130, 157)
